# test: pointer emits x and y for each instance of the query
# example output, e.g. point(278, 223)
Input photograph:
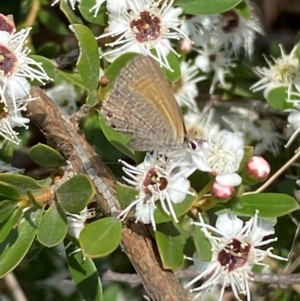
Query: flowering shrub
point(176, 182)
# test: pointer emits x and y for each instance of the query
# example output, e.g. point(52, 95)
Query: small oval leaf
point(196, 7)
point(88, 63)
point(101, 237)
point(54, 226)
point(46, 156)
point(9, 192)
point(75, 194)
point(9, 223)
point(202, 245)
point(170, 243)
point(84, 274)
point(267, 204)
point(23, 184)
point(19, 240)
point(6, 209)
point(173, 75)
point(276, 97)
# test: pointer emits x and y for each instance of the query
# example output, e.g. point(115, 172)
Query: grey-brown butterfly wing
point(142, 104)
point(135, 116)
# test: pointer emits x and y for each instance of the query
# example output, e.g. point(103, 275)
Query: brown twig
point(160, 284)
point(191, 272)
point(13, 286)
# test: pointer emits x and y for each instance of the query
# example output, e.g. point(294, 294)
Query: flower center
point(153, 181)
point(234, 255)
point(7, 61)
point(229, 21)
point(285, 70)
point(146, 27)
point(3, 111)
point(220, 160)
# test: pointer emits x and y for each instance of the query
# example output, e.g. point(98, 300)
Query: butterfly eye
point(193, 145)
point(113, 125)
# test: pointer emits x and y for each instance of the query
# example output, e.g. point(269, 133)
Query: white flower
point(16, 66)
point(234, 31)
point(185, 89)
point(144, 27)
point(76, 222)
point(72, 2)
point(64, 96)
point(199, 28)
point(235, 251)
point(254, 129)
point(267, 136)
point(212, 58)
point(11, 117)
point(284, 71)
point(224, 154)
point(155, 180)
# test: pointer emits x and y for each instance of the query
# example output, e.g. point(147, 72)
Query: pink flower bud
point(223, 193)
point(186, 45)
point(258, 168)
point(7, 23)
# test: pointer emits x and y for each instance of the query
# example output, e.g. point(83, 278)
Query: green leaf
point(92, 98)
point(9, 223)
point(19, 240)
point(54, 226)
point(202, 245)
point(173, 75)
point(23, 184)
point(9, 192)
point(69, 13)
point(117, 139)
point(195, 7)
point(47, 65)
point(6, 209)
point(73, 78)
point(267, 204)
point(46, 156)
point(101, 237)
point(243, 10)
point(125, 194)
point(84, 274)
point(276, 98)
point(75, 194)
point(101, 17)
point(170, 243)
point(88, 63)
